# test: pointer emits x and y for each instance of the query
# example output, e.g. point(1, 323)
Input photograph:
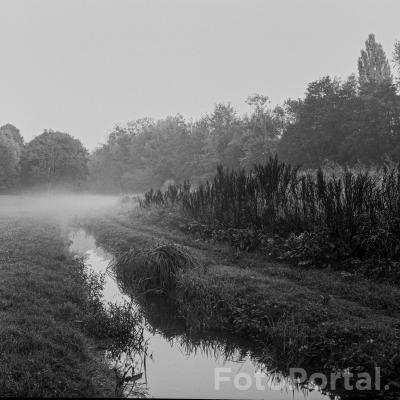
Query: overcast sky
point(81, 66)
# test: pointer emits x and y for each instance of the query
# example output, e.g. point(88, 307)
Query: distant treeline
point(347, 122)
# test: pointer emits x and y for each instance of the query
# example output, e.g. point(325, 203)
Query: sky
point(83, 66)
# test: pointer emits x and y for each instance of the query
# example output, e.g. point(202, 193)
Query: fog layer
point(53, 205)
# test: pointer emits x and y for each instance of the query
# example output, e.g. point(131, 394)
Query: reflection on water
point(176, 365)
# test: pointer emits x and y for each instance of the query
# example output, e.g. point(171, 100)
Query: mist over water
point(60, 206)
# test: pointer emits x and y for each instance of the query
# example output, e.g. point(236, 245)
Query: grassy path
point(43, 297)
point(118, 233)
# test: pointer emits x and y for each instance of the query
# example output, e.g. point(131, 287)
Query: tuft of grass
point(155, 269)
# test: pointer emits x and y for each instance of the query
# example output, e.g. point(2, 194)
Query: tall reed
point(360, 209)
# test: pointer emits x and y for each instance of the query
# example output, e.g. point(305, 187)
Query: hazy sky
point(81, 66)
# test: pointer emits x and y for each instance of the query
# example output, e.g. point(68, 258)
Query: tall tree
point(11, 143)
point(223, 140)
point(377, 124)
point(145, 153)
point(396, 58)
point(13, 133)
point(54, 159)
point(373, 65)
point(263, 129)
point(321, 122)
point(379, 118)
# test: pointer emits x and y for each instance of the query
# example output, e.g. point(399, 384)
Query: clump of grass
point(153, 270)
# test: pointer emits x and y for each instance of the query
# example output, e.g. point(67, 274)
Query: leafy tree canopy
point(54, 158)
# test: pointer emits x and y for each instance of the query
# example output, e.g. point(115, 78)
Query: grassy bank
point(319, 319)
point(47, 307)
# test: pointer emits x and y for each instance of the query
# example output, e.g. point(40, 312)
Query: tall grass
point(355, 212)
point(155, 269)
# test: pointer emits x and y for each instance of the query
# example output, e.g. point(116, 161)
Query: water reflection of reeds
point(159, 318)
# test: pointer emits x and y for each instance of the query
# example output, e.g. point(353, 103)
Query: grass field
point(322, 319)
point(44, 350)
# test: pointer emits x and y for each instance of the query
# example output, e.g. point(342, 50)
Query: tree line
point(356, 120)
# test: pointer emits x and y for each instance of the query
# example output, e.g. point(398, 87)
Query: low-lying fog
point(60, 206)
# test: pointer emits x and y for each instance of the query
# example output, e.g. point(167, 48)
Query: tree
point(396, 59)
point(9, 163)
point(378, 121)
point(373, 65)
point(13, 133)
point(224, 130)
point(145, 153)
point(54, 159)
point(263, 129)
point(11, 143)
point(317, 125)
point(378, 127)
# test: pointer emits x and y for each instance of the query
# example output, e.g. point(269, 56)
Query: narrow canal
point(174, 365)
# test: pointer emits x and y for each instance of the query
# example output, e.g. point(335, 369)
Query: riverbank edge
point(290, 323)
point(46, 351)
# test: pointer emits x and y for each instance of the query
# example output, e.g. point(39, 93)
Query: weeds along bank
point(344, 218)
point(317, 319)
point(51, 315)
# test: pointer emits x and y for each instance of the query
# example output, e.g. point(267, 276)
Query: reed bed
point(343, 214)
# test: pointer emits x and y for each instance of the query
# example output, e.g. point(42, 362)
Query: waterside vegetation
point(342, 218)
point(318, 319)
point(53, 320)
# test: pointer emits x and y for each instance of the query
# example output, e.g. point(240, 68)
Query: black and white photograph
point(200, 199)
